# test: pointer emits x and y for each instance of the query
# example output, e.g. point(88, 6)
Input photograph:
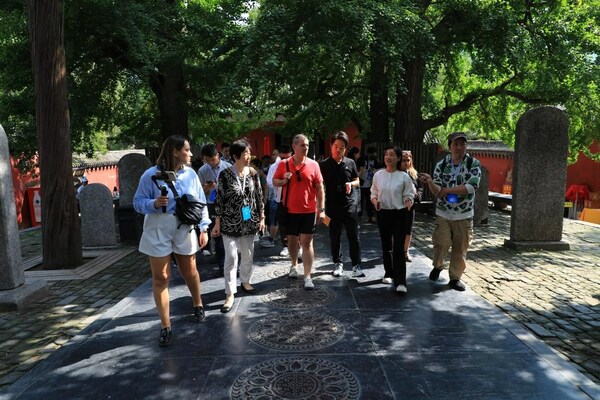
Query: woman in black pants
point(392, 195)
point(407, 166)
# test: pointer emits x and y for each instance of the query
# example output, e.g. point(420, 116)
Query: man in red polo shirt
point(305, 202)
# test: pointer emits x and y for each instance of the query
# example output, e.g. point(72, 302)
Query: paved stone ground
point(556, 295)
point(28, 337)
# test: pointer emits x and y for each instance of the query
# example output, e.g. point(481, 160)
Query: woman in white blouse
point(392, 195)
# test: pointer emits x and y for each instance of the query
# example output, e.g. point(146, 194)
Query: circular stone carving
point(296, 378)
point(296, 331)
point(298, 298)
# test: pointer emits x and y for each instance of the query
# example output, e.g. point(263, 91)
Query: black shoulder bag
point(188, 208)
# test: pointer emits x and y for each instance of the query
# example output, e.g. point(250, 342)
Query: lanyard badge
point(246, 213)
point(452, 198)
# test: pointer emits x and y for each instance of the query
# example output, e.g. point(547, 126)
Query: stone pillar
point(540, 174)
point(481, 209)
point(97, 217)
point(131, 167)
point(11, 268)
point(14, 292)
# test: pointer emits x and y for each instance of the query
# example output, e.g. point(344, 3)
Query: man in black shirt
point(341, 203)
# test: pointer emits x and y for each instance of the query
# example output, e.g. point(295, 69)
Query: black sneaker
point(166, 335)
point(457, 285)
point(198, 313)
point(435, 274)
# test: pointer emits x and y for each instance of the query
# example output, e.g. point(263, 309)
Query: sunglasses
point(298, 176)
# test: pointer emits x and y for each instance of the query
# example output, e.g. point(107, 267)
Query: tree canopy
point(405, 68)
point(399, 69)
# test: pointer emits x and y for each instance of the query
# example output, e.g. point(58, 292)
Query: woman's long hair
point(166, 160)
point(411, 169)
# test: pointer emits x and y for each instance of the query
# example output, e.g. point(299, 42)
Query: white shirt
point(392, 189)
point(272, 169)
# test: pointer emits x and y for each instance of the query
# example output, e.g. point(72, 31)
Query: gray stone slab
point(97, 217)
point(540, 172)
point(131, 167)
point(481, 209)
point(11, 268)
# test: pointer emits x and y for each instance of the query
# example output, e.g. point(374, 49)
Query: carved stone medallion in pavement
point(298, 298)
point(296, 331)
point(296, 378)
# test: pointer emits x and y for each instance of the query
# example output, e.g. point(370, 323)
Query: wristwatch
point(321, 210)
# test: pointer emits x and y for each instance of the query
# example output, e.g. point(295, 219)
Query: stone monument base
point(540, 245)
point(18, 298)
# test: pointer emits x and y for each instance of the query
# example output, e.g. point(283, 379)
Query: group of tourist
point(295, 194)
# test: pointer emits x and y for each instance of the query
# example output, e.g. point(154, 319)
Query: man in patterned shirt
point(455, 179)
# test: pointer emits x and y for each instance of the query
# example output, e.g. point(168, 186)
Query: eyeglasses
point(298, 176)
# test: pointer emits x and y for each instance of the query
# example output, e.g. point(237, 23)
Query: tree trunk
point(169, 86)
point(408, 126)
point(61, 232)
point(379, 112)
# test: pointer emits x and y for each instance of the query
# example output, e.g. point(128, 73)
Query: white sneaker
point(401, 289)
point(293, 273)
point(387, 280)
point(285, 252)
point(339, 270)
point(308, 284)
point(357, 272)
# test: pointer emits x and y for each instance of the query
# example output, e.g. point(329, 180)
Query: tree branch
point(478, 95)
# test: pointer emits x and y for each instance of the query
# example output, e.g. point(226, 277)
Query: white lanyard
point(455, 170)
point(241, 182)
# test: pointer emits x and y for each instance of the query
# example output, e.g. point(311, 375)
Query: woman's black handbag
point(188, 208)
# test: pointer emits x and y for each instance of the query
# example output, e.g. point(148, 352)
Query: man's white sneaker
point(293, 273)
point(357, 272)
point(339, 270)
point(308, 284)
point(387, 280)
point(401, 289)
point(285, 252)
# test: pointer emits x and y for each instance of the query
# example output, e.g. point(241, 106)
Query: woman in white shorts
point(163, 232)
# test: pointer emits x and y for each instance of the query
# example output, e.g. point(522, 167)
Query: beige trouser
point(455, 234)
point(245, 246)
